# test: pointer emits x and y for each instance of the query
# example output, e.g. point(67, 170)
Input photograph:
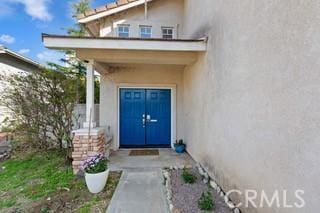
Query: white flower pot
point(96, 182)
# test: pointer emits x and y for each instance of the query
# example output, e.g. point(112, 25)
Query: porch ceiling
point(129, 50)
point(138, 56)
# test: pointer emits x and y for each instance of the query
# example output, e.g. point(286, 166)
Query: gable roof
point(19, 57)
point(108, 9)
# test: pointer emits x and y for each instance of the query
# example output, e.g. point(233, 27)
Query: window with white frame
point(123, 31)
point(167, 32)
point(145, 31)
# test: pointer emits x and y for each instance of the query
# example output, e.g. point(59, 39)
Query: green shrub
point(41, 105)
point(45, 210)
point(205, 203)
point(188, 177)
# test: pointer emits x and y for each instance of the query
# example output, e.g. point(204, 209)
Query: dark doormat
point(144, 152)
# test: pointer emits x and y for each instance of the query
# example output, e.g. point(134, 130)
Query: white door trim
point(172, 87)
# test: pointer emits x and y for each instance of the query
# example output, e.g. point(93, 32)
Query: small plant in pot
point(179, 146)
point(96, 172)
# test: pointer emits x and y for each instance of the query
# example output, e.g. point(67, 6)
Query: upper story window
point(123, 31)
point(145, 31)
point(167, 32)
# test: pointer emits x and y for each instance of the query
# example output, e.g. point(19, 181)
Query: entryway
point(141, 187)
point(145, 117)
point(121, 159)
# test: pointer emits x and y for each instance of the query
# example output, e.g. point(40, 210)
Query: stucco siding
point(252, 113)
point(139, 76)
point(9, 65)
point(164, 13)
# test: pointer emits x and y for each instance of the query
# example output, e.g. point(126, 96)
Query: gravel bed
point(185, 196)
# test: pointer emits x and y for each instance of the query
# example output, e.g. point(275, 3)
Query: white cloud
point(5, 9)
point(24, 51)
point(7, 39)
point(50, 56)
point(37, 9)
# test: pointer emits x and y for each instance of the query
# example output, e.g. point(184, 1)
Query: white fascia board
point(111, 11)
point(153, 45)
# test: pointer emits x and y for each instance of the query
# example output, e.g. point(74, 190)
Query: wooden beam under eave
point(101, 67)
point(139, 57)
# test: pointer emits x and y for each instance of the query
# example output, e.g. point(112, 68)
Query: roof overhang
point(72, 42)
point(130, 50)
point(19, 57)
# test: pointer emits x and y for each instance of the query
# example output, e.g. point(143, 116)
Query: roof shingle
point(106, 7)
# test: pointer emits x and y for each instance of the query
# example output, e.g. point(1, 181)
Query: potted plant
point(179, 146)
point(96, 172)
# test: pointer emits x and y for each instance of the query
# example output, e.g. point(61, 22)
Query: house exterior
point(238, 81)
point(13, 63)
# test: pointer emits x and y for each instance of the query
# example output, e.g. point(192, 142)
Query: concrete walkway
point(120, 160)
point(139, 191)
point(141, 188)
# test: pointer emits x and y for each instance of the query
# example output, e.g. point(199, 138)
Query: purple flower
point(94, 164)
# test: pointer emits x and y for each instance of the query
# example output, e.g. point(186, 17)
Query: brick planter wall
point(85, 145)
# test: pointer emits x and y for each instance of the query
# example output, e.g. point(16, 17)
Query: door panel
point(132, 107)
point(155, 104)
point(158, 106)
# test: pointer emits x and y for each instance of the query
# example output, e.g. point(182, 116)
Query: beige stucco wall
point(139, 76)
point(161, 13)
point(252, 103)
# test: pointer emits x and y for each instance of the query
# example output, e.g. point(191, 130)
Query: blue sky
point(23, 21)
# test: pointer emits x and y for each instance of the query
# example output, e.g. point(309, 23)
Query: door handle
point(150, 120)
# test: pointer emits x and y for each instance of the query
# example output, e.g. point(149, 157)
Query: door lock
point(143, 120)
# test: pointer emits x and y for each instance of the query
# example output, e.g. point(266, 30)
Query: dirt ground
point(186, 196)
point(64, 200)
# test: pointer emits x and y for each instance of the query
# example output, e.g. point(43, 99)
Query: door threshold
point(145, 147)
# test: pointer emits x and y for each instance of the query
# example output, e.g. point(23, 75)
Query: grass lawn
point(42, 182)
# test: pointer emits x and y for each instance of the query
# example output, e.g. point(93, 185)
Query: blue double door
point(145, 118)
